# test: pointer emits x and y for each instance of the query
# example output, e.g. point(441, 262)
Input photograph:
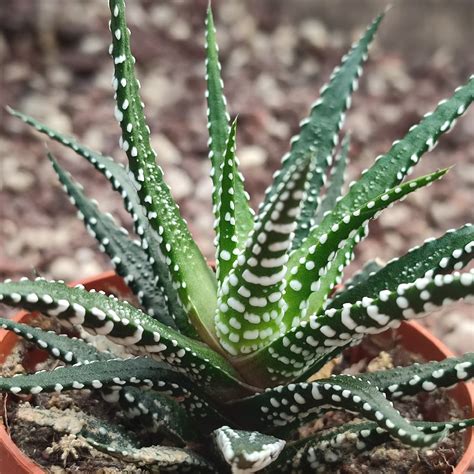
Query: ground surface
point(275, 57)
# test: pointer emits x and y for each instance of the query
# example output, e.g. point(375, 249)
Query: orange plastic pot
point(412, 336)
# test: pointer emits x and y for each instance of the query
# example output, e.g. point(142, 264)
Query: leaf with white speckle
point(451, 251)
point(267, 409)
point(331, 446)
point(115, 441)
point(404, 381)
point(126, 325)
point(312, 270)
point(330, 331)
point(319, 132)
point(250, 302)
point(390, 169)
point(194, 280)
point(220, 139)
point(129, 259)
point(246, 451)
point(227, 238)
point(60, 346)
point(125, 185)
point(335, 184)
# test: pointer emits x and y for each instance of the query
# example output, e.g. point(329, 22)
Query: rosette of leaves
point(223, 358)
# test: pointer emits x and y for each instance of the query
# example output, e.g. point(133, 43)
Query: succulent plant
point(225, 356)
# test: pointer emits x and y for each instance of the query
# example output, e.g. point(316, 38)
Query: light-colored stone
point(251, 156)
point(92, 44)
point(158, 90)
point(462, 337)
point(179, 182)
point(314, 32)
point(13, 176)
point(167, 152)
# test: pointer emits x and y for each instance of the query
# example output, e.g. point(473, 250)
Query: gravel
point(275, 57)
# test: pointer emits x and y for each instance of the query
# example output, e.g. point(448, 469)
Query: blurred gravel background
point(275, 55)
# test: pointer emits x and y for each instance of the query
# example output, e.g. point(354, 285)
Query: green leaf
point(114, 440)
point(403, 381)
point(194, 280)
point(360, 276)
point(390, 169)
point(227, 240)
point(324, 286)
point(129, 259)
point(218, 117)
point(336, 183)
point(73, 350)
point(246, 451)
point(250, 300)
point(115, 374)
point(306, 346)
point(453, 250)
point(267, 409)
point(313, 266)
point(68, 349)
point(319, 132)
point(95, 374)
point(333, 445)
point(116, 379)
point(145, 407)
point(125, 325)
point(156, 412)
point(220, 146)
point(110, 439)
point(125, 184)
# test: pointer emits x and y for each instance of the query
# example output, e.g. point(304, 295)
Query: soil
point(56, 452)
point(395, 458)
point(65, 453)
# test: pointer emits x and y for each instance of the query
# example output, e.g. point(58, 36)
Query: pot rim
point(10, 452)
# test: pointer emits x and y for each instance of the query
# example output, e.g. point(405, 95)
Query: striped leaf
point(267, 409)
point(315, 265)
point(125, 184)
point(130, 261)
point(220, 148)
point(304, 348)
point(390, 169)
point(319, 132)
point(125, 325)
point(189, 271)
point(250, 303)
point(451, 251)
point(246, 451)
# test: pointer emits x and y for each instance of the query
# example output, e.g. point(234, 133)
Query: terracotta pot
point(412, 336)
